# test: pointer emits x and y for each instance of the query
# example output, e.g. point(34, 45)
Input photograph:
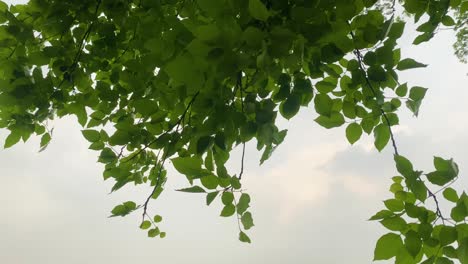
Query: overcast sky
point(310, 201)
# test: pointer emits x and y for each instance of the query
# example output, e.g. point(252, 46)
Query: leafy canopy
point(189, 80)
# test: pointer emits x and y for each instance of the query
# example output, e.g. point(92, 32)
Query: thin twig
point(384, 115)
point(177, 125)
point(239, 85)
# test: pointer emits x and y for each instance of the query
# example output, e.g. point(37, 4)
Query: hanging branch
point(359, 57)
point(239, 86)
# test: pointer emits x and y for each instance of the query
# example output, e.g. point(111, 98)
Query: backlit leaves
point(381, 136)
point(409, 63)
point(353, 132)
point(388, 246)
point(197, 79)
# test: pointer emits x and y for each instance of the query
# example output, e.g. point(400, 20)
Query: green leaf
point(447, 235)
point(382, 215)
point(377, 74)
point(459, 212)
point(193, 189)
point(210, 197)
point(413, 243)
point(228, 210)
point(210, 181)
point(448, 21)
point(12, 139)
point(381, 136)
point(145, 224)
point(244, 238)
point(290, 107)
point(387, 246)
point(45, 139)
point(353, 132)
point(91, 135)
point(394, 205)
point(243, 203)
point(162, 234)
point(409, 63)
point(157, 218)
point(417, 93)
point(235, 183)
point(190, 167)
point(462, 251)
point(258, 10)
point(402, 90)
point(396, 30)
point(202, 144)
point(450, 194)
point(440, 177)
point(107, 156)
point(334, 120)
point(227, 198)
point(123, 209)
point(395, 223)
point(323, 104)
point(247, 220)
point(404, 166)
point(153, 232)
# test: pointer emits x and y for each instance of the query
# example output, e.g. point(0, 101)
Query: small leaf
point(448, 21)
point(381, 136)
point(123, 209)
point(450, 194)
point(145, 224)
point(394, 205)
point(247, 220)
point(12, 139)
point(417, 93)
point(353, 132)
point(157, 218)
point(335, 120)
point(290, 106)
point(387, 246)
point(244, 238)
point(210, 197)
point(409, 63)
point(153, 232)
point(243, 203)
point(107, 156)
point(193, 189)
point(235, 183)
point(45, 139)
point(162, 235)
point(191, 167)
point(395, 223)
point(402, 90)
point(210, 181)
point(404, 166)
point(91, 135)
point(382, 215)
point(227, 198)
point(228, 210)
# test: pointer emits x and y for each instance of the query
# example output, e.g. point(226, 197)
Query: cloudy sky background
point(310, 201)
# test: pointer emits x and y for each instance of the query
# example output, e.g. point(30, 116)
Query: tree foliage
point(189, 80)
